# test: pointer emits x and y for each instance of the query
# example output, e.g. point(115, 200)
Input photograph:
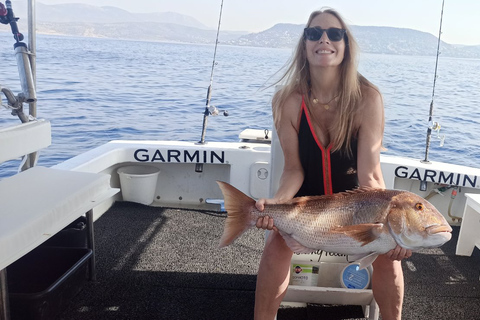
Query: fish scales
point(311, 222)
point(364, 222)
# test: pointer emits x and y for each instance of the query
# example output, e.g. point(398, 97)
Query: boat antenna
point(211, 110)
point(434, 126)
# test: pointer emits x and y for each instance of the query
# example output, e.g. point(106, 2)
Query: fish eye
point(420, 206)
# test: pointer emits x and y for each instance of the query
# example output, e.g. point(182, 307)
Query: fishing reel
point(8, 17)
point(3, 14)
point(213, 111)
point(435, 126)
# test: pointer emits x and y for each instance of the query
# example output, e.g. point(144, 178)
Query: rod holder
point(199, 167)
point(25, 72)
point(423, 185)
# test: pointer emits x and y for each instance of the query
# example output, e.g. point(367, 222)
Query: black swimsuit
point(325, 172)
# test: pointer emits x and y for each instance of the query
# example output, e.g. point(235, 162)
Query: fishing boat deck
point(161, 263)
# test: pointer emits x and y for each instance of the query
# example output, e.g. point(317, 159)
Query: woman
point(329, 121)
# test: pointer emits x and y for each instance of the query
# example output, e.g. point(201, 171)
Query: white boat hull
point(188, 172)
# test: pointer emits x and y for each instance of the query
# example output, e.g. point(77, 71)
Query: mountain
point(382, 40)
point(282, 35)
point(402, 41)
point(112, 22)
point(145, 31)
point(83, 13)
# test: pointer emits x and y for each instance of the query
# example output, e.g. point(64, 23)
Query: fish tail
point(238, 206)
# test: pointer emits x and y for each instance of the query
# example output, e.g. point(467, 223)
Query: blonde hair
point(297, 79)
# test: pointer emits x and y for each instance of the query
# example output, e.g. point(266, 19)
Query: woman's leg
point(387, 286)
point(273, 277)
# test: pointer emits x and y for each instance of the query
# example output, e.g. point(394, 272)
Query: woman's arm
point(285, 117)
point(370, 137)
point(286, 122)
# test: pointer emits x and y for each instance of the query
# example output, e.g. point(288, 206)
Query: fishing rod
point(22, 56)
point(26, 70)
point(211, 110)
point(434, 126)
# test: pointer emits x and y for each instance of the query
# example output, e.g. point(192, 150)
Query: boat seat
point(469, 236)
point(316, 294)
point(256, 135)
point(24, 138)
point(39, 202)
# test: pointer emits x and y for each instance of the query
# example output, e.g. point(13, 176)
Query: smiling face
point(324, 52)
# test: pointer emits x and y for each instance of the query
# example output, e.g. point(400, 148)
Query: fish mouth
point(438, 228)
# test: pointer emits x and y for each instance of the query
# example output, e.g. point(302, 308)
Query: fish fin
point(364, 233)
point(363, 260)
point(363, 189)
point(238, 206)
point(294, 245)
point(338, 195)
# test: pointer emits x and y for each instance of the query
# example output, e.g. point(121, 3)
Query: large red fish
point(362, 223)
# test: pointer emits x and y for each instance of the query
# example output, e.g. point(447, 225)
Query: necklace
point(325, 105)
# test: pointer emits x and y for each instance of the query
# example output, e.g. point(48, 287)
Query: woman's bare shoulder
point(290, 107)
point(371, 100)
point(294, 100)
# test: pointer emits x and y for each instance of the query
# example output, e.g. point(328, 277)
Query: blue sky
point(461, 22)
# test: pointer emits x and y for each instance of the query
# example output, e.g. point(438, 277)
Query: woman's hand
point(398, 253)
point(265, 223)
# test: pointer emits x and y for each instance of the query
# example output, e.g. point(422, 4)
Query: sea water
point(97, 90)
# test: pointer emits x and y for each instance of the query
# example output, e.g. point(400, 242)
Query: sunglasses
point(315, 33)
